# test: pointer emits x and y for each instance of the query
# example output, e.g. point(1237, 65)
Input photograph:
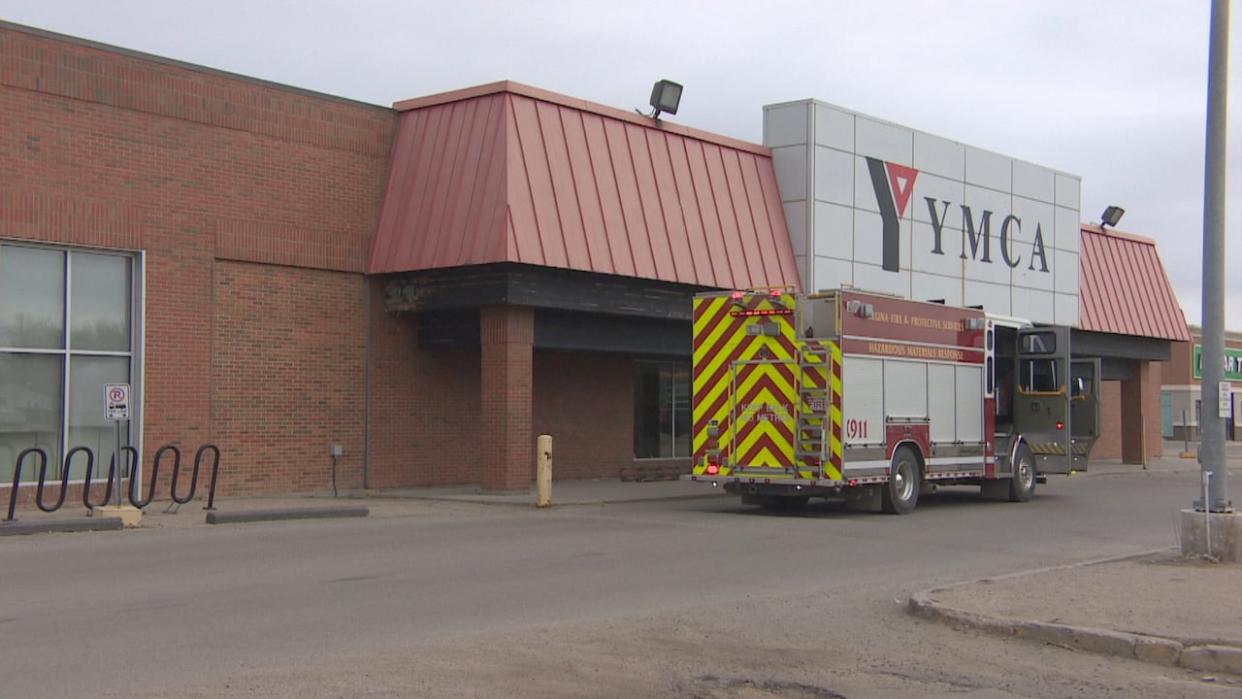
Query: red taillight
point(712, 469)
point(736, 296)
point(1060, 425)
point(776, 293)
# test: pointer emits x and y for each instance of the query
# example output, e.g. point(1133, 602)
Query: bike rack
point(17, 476)
point(86, 487)
point(132, 461)
point(134, 483)
point(215, 471)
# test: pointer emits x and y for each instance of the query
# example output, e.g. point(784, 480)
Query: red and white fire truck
point(878, 399)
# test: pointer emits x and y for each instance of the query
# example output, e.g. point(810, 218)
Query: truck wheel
point(901, 493)
point(1022, 485)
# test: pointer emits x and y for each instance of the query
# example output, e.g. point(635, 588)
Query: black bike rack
point(17, 477)
point(131, 455)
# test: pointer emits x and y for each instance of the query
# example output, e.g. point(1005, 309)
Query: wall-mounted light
point(1111, 216)
point(665, 97)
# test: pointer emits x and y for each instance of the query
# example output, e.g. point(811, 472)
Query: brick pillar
point(1140, 414)
point(506, 336)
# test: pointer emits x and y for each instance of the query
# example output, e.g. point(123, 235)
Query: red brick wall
point(255, 204)
point(1109, 444)
point(287, 376)
point(586, 402)
point(425, 407)
point(102, 147)
point(506, 444)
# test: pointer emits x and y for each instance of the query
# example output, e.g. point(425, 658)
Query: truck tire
point(1022, 485)
point(901, 493)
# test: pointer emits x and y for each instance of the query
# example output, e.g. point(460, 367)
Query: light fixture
point(1111, 216)
point(665, 96)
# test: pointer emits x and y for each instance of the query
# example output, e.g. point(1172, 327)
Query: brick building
point(427, 286)
point(1180, 397)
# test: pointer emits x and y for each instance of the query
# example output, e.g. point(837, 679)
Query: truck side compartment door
point(1041, 399)
point(1084, 409)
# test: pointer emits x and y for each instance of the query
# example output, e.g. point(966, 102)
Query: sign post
point(116, 409)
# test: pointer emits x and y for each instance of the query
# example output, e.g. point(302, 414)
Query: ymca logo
point(894, 184)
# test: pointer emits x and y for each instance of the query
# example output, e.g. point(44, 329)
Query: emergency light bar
point(762, 312)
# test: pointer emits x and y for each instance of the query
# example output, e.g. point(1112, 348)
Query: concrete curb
point(1175, 652)
point(279, 514)
point(75, 524)
point(555, 504)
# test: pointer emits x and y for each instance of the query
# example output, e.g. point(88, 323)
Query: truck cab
point(1046, 402)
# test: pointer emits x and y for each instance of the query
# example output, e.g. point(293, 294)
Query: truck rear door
point(1084, 409)
point(1042, 401)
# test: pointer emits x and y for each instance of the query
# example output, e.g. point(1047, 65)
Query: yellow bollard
point(543, 473)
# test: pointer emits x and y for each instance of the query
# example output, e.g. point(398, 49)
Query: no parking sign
point(116, 401)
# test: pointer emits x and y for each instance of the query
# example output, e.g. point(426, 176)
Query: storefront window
point(661, 411)
point(66, 329)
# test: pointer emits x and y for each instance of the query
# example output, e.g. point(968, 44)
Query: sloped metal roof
point(1123, 288)
point(509, 173)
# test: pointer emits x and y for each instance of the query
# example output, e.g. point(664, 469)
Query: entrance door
point(1042, 401)
point(1084, 409)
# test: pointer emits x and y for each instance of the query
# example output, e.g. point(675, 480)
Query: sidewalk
point(1157, 607)
point(573, 492)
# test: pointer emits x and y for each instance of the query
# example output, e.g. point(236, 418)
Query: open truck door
point(1042, 399)
point(1084, 409)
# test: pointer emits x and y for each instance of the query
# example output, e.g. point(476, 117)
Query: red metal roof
point(509, 173)
point(1123, 287)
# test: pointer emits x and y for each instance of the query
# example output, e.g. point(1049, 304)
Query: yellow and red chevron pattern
point(821, 368)
point(744, 382)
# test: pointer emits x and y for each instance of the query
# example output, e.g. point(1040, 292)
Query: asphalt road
point(676, 598)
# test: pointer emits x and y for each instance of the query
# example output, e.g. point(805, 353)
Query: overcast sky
point(1113, 91)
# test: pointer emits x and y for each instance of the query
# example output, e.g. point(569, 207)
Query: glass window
point(30, 400)
point(100, 302)
point(661, 411)
point(87, 425)
point(32, 297)
point(1039, 343)
point(1040, 376)
point(39, 369)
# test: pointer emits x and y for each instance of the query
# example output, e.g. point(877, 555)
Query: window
point(1039, 376)
point(661, 411)
point(1039, 343)
point(66, 328)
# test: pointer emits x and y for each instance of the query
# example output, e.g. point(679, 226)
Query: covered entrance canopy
point(517, 219)
point(1128, 316)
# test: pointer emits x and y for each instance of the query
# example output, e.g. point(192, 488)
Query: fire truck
point(878, 399)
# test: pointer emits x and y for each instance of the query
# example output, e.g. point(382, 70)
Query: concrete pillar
point(506, 335)
point(1140, 414)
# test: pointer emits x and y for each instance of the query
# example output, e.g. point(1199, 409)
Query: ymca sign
point(893, 185)
point(882, 207)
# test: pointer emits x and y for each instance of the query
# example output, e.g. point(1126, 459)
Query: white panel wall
point(969, 410)
point(941, 402)
point(861, 383)
point(785, 124)
point(820, 152)
point(905, 389)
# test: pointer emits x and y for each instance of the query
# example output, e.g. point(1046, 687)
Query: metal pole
point(1185, 434)
point(119, 464)
point(1212, 425)
point(543, 476)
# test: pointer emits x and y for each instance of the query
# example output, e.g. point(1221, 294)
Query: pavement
point(1156, 607)
point(701, 597)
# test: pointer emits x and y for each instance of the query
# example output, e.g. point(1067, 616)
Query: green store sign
point(1233, 363)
